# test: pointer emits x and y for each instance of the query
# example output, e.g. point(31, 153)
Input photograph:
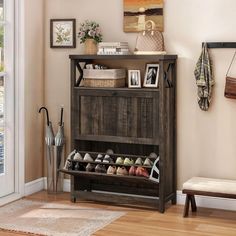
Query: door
point(7, 161)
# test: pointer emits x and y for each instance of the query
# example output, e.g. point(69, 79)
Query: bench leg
point(193, 203)
point(186, 206)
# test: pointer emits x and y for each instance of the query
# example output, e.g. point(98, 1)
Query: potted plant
point(90, 34)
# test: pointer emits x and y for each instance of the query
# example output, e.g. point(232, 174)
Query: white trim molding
point(34, 186)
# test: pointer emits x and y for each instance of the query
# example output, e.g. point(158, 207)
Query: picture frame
point(134, 79)
point(151, 76)
point(63, 33)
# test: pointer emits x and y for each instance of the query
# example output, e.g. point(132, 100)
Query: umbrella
point(59, 143)
point(49, 140)
point(49, 136)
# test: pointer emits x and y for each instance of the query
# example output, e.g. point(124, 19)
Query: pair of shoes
point(100, 168)
point(120, 161)
point(148, 162)
point(140, 171)
point(88, 158)
point(99, 158)
point(128, 161)
point(106, 159)
point(111, 170)
point(90, 167)
point(139, 161)
point(78, 157)
point(122, 171)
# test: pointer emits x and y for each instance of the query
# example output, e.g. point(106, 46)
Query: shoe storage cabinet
point(131, 122)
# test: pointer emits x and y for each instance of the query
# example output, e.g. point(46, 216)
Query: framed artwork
point(138, 12)
point(134, 79)
point(62, 33)
point(151, 76)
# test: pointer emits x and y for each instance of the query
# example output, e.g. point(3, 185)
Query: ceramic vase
point(90, 46)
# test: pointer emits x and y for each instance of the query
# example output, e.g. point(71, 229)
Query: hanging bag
point(150, 41)
point(230, 84)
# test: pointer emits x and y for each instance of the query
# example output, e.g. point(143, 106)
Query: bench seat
point(207, 187)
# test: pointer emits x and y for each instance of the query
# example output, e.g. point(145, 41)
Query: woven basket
point(104, 78)
point(105, 83)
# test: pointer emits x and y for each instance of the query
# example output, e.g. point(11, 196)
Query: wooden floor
point(139, 222)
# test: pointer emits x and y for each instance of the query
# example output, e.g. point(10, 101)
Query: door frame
point(19, 70)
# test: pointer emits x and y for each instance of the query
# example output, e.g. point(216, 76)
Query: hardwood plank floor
point(149, 222)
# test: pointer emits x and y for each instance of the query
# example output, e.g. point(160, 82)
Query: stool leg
point(193, 203)
point(186, 206)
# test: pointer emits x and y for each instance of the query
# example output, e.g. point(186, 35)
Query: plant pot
point(90, 46)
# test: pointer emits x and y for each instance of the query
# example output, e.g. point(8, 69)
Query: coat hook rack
point(220, 44)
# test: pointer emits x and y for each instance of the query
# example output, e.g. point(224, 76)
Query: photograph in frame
point(151, 75)
point(134, 79)
point(62, 33)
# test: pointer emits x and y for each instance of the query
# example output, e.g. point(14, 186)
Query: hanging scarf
point(204, 79)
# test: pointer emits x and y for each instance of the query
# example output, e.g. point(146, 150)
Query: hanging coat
point(204, 79)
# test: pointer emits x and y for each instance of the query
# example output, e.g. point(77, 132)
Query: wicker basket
point(104, 78)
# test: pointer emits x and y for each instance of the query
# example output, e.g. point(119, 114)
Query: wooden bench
point(207, 187)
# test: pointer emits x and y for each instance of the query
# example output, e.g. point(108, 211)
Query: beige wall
point(34, 88)
point(205, 140)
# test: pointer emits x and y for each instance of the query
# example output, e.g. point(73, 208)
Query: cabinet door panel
point(117, 116)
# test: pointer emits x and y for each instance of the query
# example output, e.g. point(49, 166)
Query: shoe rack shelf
point(129, 121)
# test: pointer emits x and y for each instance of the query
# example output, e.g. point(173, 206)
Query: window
point(2, 74)
point(6, 86)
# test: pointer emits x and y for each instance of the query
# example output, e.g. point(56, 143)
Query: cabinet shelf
point(83, 57)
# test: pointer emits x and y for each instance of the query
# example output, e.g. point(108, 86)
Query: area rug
point(55, 219)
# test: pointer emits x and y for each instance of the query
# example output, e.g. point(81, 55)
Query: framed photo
point(134, 79)
point(62, 33)
point(151, 76)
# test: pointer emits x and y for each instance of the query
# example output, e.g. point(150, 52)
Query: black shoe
point(99, 158)
point(108, 159)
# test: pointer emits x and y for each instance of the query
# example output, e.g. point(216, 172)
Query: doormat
point(42, 218)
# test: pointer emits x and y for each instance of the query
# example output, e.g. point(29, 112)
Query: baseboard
point(34, 186)
point(66, 184)
point(202, 201)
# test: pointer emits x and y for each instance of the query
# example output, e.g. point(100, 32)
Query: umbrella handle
point(61, 116)
point(44, 108)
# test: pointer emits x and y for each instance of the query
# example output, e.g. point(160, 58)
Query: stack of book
point(113, 48)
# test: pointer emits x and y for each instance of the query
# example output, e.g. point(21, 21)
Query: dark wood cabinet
point(131, 122)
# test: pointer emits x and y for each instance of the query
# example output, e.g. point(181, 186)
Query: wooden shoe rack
point(132, 122)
